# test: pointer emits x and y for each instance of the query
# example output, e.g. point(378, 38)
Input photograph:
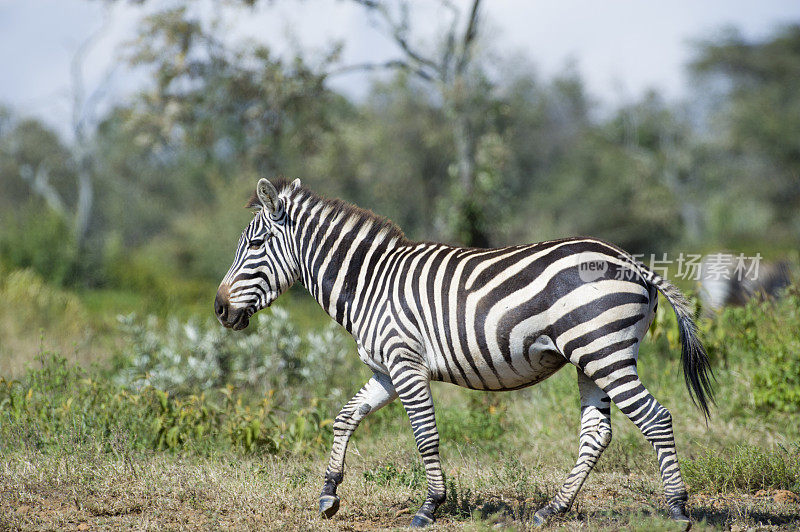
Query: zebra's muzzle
point(241, 321)
point(236, 319)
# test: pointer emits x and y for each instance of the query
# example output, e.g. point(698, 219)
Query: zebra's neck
point(339, 247)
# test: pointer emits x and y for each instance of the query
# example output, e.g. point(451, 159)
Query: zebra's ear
point(268, 197)
point(296, 184)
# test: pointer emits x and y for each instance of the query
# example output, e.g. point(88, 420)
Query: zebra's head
point(264, 266)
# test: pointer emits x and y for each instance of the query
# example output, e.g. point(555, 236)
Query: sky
point(621, 48)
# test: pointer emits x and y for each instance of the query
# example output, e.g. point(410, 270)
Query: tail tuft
point(696, 366)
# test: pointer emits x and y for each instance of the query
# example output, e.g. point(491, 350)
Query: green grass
point(744, 467)
point(81, 444)
point(58, 407)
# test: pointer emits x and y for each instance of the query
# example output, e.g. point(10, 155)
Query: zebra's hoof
point(328, 505)
point(542, 515)
point(679, 515)
point(421, 521)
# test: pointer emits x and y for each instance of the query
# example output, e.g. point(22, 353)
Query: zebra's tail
point(696, 367)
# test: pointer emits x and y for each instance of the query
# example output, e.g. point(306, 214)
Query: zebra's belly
point(481, 369)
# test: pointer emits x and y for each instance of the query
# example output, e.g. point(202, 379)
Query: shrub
point(29, 301)
point(481, 419)
point(764, 338)
point(411, 476)
point(155, 273)
point(190, 356)
point(42, 241)
point(61, 406)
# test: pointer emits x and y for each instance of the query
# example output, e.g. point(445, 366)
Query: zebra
point(485, 319)
point(724, 282)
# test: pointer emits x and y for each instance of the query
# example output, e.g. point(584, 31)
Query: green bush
point(412, 476)
point(190, 356)
point(762, 338)
point(61, 406)
point(479, 420)
point(41, 240)
point(154, 272)
point(29, 302)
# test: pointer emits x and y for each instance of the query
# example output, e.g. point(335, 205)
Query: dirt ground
point(170, 492)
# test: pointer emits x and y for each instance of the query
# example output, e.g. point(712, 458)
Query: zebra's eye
point(256, 243)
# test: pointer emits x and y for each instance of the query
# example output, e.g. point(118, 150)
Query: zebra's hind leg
point(595, 435)
point(655, 423)
point(413, 386)
point(375, 394)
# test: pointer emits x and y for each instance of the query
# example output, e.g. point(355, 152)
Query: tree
point(37, 197)
point(758, 85)
point(459, 82)
point(230, 106)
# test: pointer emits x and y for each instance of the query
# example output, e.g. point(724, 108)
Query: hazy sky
point(620, 47)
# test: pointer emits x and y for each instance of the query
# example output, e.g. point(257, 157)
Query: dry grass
point(155, 491)
point(35, 317)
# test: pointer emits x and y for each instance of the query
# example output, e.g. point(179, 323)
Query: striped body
point(495, 319)
point(488, 319)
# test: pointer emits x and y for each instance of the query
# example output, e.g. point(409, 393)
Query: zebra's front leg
point(412, 383)
point(595, 435)
point(375, 394)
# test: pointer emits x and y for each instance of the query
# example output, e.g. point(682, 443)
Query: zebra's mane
point(337, 206)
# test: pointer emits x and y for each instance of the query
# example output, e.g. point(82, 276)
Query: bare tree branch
point(82, 113)
point(79, 101)
point(469, 38)
point(371, 4)
point(399, 31)
point(450, 40)
point(369, 67)
point(451, 72)
point(39, 182)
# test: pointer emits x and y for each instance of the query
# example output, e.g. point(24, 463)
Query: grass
point(83, 450)
point(99, 478)
point(163, 491)
point(744, 468)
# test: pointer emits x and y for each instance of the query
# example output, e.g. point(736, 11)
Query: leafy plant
point(60, 406)
point(412, 476)
point(764, 337)
point(191, 356)
point(480, 420)
point(42, 241)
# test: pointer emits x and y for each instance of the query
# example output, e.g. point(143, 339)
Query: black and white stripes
point(487, 319)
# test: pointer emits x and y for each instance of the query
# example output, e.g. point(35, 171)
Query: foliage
point(30, 150)
point(192, 355)
point(744, 468)
point(481, 211)
point(763, 336)
point(240, 105)
point(170, 166)
point(41, 240)
point(412, 476)
point(754, 85)
point(30, 303)
point(480, 420)
point(60, 406)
